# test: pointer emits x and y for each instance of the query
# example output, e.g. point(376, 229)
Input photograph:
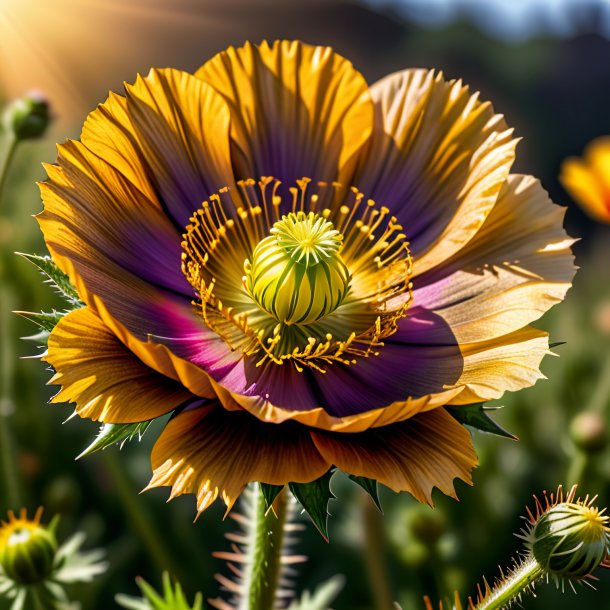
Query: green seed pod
point(589, 433)
point(27, 550)
point(27, 117)
point(570, 540)
point(297, 274)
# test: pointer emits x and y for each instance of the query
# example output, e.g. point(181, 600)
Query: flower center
point(297, 274)
point(290, 275)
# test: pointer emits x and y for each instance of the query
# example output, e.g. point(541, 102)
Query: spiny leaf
point(475, 416)
point(370, 486)
point(270, 492)
point(47, 320)
point(55, 276)
point(314, 498)
point(111, 434)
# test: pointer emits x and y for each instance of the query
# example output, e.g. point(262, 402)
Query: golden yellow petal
point(429, 450)
point(211, 452)
point(507, 363)
point(105, 380)
point(437, 158)
point(587, 180)
point(514, 269)
point(296, 110)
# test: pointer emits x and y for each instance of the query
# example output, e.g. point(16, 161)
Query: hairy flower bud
point(27, 549)
point(27, 117)
point(297, 274)
point(569, 539)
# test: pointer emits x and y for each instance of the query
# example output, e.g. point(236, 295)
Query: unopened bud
point(27, 549)
point(588, 432)
point(28, 117)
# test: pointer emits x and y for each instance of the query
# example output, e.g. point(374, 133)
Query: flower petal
point(210, 452)
point(508, 363)
point(429, 450)
point(437, 158)
point(182, 126)
point(105, 380)
point(296, 110)
point(515, 268)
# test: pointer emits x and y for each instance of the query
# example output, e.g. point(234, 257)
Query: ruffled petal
point(515, 268)
point(437, 158)
point(508, 363)
point(105, 380)
point(426, 451)
point(296, 110)
point(182, 126)
point(211, 452)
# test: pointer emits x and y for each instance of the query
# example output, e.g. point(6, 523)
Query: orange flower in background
point(304, 269)
point(587, 179)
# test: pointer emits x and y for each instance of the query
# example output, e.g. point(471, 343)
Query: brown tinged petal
point(211, 452)
point(106, 381)
point(429, 450)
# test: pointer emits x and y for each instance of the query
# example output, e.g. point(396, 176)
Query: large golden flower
point(303, 268)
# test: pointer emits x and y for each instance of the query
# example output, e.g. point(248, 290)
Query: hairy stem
point(511, 587)
point(267, 539)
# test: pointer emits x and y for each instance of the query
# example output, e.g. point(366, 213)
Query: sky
point(511, 20)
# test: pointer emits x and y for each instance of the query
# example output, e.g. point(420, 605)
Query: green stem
point(267, 539)
point(510, 588)
point(140, 517)
point(374, 537)
point(7, 458)
point(601, 395)
point(577, 468)
point(11, 147)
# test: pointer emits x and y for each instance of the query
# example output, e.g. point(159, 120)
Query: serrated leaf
point(270, 492)
point(112, 434)
point(370, 486)
point(55, 276)
point(47, 320)
point(475, 416)
point(314, 498)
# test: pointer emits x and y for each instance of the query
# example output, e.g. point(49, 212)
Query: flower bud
point(297, 274)
point(570, 540)
point(588, 432)
point(27, 549)
point(27, 117)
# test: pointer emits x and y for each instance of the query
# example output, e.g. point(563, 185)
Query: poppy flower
point(587, 179)
point(302, 268)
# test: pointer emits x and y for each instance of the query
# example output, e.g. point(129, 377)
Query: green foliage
point(113, 434)
point(171, 598)
point(314, 498)
point(270, 492)
point(55, 277)
point(324, 595)
point(371, 488)
point(476, 416)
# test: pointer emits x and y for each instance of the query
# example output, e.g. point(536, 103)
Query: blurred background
point(545, 64)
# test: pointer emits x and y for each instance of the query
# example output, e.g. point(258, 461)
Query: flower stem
point(510, 587)
point(267, 539)
point(373, 555)
point(11, 147)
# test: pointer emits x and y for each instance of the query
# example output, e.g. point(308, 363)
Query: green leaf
point(476, 416)
point(55, 276)
point(314, 498)
point(47, 320)
point(370, 486)
point(172, 597)
point(270, 492)
point(324, 595)
point(111, 434)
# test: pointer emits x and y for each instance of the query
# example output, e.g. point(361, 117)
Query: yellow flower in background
point(587, 179)
point(303, 268)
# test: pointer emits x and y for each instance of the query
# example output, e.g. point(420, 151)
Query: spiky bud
point(28, 117)
point(27, 549)
point(296, 274)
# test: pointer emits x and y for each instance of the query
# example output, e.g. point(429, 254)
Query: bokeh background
point(545, 64)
